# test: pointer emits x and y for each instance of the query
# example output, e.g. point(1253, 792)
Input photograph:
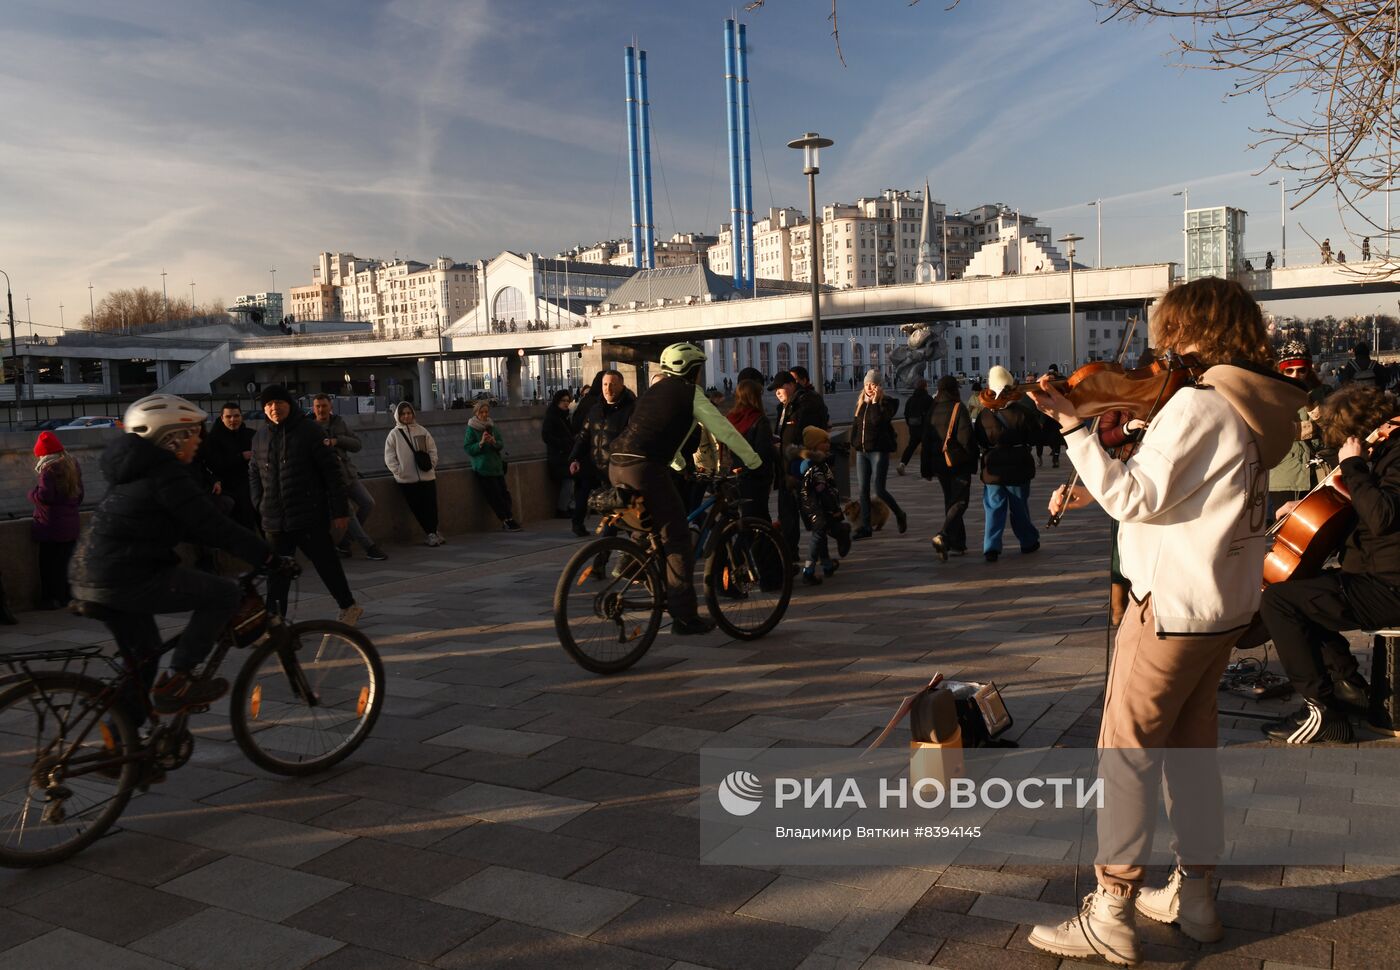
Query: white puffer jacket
point(398, 453)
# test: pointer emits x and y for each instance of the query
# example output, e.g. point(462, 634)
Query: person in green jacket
point(1292, 478)
point(484, 443)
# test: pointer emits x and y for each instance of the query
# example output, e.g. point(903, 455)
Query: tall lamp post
point(1070, 240)
point(14, 352)
point(1185, 239)
point(1282, 223)
point(1097, 205)
point(811, 143)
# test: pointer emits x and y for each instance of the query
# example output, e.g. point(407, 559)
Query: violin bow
point(1069, 486)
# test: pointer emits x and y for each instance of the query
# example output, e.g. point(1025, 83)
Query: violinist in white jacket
point(1191, 504)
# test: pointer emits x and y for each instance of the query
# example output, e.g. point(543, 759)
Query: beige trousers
point(1161, 696)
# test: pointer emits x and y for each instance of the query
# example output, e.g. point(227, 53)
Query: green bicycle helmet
point(681, 359)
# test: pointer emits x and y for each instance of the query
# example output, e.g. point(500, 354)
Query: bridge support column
point(111, 377)
point(513, 366)
point(166, 371)
point(425, 384)
point(72, 372)
point(636, 362)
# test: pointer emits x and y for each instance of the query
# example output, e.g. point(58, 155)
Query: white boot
point(1104, 927)
point(1186, 902)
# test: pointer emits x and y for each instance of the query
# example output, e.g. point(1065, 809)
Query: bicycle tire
point(116, 792)
point(287, 748)
point(726, 586)
point(607, 605)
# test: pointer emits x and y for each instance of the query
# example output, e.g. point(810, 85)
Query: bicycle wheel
point(747, 579)
point(306, 701)
point(54, 737)
point(607, 605)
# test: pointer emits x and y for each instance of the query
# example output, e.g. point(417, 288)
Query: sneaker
point(375, 553)
point(1188, 903)
point(351, 614)
point(842, 532)
point(176, 691)
point(940, 546)
point(693, 627)
point(510, 525)
point(810, 578)
point(992, 555)
point(434, 539)
point(442, 539)
point(829, 569)
point(1104, 927)
point(901, 520)
point(899, 469)
point(1315, 723)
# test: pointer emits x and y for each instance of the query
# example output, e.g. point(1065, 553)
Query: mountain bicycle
point(71, 757)
point(610, 598)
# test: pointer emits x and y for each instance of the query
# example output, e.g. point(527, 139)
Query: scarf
point(480, 425)
point(48, 460)
point(744, 418)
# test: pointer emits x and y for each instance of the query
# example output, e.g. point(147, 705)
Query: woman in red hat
point(56, 498)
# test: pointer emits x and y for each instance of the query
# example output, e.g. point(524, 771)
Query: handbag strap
point(952, 423)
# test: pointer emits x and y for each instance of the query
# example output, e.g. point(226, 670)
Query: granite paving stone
point(217, 939)
point(549, 853)
point(109, 909)
point(495, 740)
point(253, 888)
point(671, 877)
point(565, 906)
point(392, 867)
point(708, 938)
point(496, 803)
point(64, 948)
point(402, 926)
point(518, 947)
point(803, 902)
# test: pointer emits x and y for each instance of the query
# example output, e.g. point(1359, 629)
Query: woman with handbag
point(949, 454)
point(486, 446)
point(411, 455)
point(872, 441)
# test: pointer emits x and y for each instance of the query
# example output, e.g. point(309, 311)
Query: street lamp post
point(14, 352)
point(92, 313)
point(1097, 205)
point(164, 294)
point(1282, 223)
point(1185, 239)
point(811, 143)
point(1070, 240)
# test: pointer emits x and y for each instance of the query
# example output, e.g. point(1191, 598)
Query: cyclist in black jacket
point(662, 419)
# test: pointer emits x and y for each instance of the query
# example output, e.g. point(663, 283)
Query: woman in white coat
point(411, 455)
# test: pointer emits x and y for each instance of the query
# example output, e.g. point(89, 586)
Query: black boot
point(6, 617)
point(1352, 694)
point(1315, 723)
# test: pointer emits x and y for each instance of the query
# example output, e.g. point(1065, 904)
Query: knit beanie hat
point(813, 436)
point(872, 376)
point(48, 444)
point(1294, 353)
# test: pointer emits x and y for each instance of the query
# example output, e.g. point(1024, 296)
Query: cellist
point(1190, 504)
point(1305, 617)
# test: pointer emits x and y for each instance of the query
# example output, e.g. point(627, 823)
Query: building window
point(509, 304)
point(957, 343)
point(977, 365)
point(975, 342)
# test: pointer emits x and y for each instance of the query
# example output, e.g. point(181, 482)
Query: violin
point(1104, 385)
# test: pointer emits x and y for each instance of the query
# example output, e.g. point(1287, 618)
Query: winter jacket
point(346, 444)
point(558, 443)
point(600, 427)
point(222, 453)
point(805, 410)
point(758, 432)
point(664, 420)
point(152, 504)
point(818, 498)
point(295, 480)
point(55, 514)
point(399, 446)
point(917, 408)
point(935, 430)
point(1374, 545)
point(1190, 502)
point(1005, 436)
point(872, 428)
point(487, 460)
point(1295, 472)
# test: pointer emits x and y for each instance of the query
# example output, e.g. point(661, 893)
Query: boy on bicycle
point(127, 560)
point(661, 423)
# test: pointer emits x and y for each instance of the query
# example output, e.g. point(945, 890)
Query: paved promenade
point(512, 810)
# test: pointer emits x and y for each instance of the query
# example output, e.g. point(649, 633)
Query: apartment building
point(398, 296)
point(682, 249)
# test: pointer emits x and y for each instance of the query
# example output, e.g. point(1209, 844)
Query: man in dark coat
point(800, 408)
point(940, 446)
point(1005, 436)
point(299, 491)
point(916, 411)
point(225, 452)
point(605, 420)
point(817, 404)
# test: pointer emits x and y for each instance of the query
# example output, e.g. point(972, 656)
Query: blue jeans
point(364, 505)
point(874, 464)
point(818, 550)
point(997, 500)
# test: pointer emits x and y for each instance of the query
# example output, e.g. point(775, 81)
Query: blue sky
point(219, 139)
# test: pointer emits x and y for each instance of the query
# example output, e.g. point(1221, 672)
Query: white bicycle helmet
point(162, 419)
point(682, 358)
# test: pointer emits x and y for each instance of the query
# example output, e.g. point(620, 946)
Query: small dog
point(879, 513)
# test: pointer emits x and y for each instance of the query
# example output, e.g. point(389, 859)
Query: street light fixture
point(1097, 205)
point(811, 144)
point(1282, 223)
point(14, 352)
point(1185, 239)
point(1070, 240)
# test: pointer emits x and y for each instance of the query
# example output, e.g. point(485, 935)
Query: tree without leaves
point(142, 307)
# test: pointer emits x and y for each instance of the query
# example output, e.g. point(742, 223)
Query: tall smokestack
point(632, 162)
point(731, 90)
point(644, 137)
point(746, 184)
